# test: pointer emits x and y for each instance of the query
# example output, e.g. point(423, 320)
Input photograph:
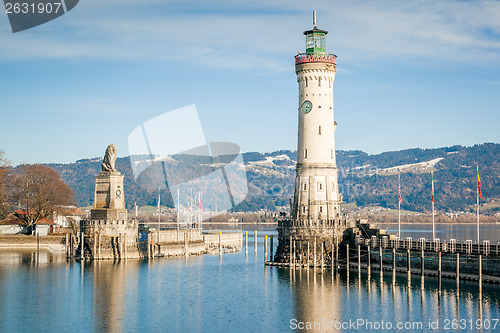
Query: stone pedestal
point(109, 215)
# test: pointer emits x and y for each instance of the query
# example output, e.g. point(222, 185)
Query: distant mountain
point(363, 179)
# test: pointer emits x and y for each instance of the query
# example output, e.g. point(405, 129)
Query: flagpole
point(433, 226)
point(477, 194)
point(399, 205)
point(159, 215)
point(178, 215)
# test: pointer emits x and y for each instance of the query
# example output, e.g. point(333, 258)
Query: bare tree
point(39, 191)
point(4, 179)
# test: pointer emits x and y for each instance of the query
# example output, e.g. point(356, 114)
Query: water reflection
point(330, 300)
point(110, 281)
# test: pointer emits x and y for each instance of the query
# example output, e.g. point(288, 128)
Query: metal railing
point(302, 58)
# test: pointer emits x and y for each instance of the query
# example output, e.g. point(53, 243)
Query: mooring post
point(73, 245)
point(66, 245)
point(359, 258)
point(186, 244)
point(82, 247)
point(333, 251)
point(148, 244)
point(70, 236)
point(322, 257)
point(480, 276)
point(265, 248)
point(271, 259)
point(220, 242)
point(255, 240)
point(369, 260)
point(408, 264)
point(99, 246)
point(37, 246)
point(347, 256)
point(422, 262)
point(94, 246)
point(308, 255)
point(381, 261)
point(439, 271)
point(119, 245)
point(393, 259)
point(125, 246)
point(458, 269)
point(314, 250)
point(246, 242)
point(336, 252)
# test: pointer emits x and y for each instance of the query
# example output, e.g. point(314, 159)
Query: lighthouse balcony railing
point(302, 58)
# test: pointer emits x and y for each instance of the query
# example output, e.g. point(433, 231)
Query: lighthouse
point(316, 197)
point(315, 224)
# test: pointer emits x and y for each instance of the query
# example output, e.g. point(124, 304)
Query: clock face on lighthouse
point(306, 107)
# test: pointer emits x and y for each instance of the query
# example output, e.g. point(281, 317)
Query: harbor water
point(235, 292)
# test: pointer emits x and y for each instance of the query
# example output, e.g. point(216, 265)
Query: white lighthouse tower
point(315, 224)
point(316, 198)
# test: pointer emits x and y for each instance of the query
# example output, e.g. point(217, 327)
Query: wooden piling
point(291, 248)
point(99, 246)
point(308, 255)
point(271, 253)
point(393, 259)
point(347, 256)
point(422, 263)
point(94, 247)
point(369, 260)
point(119, 245)
point(439, 271)
point(322, 256)
point(246, 242)
point(125, 246)
point(408, 264)
point(37, 247)
point(66, 245)
point(148, 245)
point(458, 269)
point(381, 261)
point(220, 242)
point(265, 248)
point(255, 240)
point(314, 250)
point(152, 246)
point(336, 252)
point(82, 247)
point(359, 258)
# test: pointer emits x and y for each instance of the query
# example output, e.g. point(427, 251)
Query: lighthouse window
point(320, 186)
point(305, 187)
point(319, 82)
point(303, 209)
point(321, 209)
point(305, 153)
point(319, 130)
point(306, 81)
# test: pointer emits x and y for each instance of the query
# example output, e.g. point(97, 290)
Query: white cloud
point(260, 34)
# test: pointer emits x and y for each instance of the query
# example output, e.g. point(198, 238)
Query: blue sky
point(409, 74)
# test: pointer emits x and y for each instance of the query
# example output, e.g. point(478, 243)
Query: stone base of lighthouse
point(309, 246)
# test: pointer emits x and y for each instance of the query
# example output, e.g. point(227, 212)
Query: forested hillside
point(364, 179)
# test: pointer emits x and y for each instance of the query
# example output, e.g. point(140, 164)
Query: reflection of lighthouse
point(315, 211)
